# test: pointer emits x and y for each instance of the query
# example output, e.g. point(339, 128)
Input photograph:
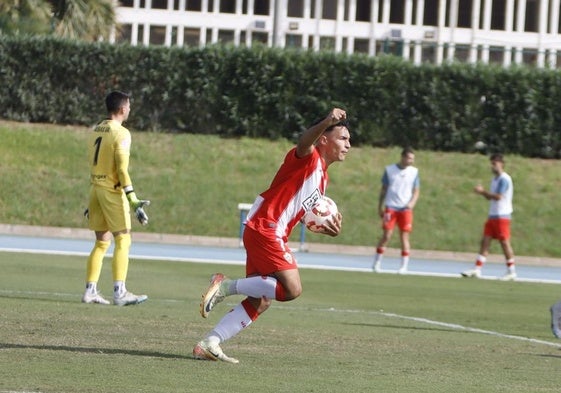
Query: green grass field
point(196, 181)
point(348, 332)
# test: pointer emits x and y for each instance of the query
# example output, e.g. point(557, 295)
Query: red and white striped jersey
point(298, 184)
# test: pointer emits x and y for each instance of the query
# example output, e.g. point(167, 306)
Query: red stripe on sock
point(250, 310)
point(380, 250)
point(279, 293)
point(405, 253)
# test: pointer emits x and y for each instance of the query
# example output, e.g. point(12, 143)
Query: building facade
point(490, 31)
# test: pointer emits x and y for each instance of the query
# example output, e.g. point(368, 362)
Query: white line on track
point(452, 326)
point(218, 261)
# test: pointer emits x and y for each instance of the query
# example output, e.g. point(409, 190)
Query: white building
point(436, 31)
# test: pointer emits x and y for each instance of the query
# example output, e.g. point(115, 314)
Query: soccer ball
point(323, 210)
point(480, 145)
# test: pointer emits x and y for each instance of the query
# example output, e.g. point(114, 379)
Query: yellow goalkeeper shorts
point(109, 210)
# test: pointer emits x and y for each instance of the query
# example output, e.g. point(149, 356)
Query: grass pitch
point(348, 332)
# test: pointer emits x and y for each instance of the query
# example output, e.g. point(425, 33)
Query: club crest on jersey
point(288, 257)
point(310, 201)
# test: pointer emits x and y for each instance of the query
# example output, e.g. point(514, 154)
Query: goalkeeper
point(111, 198)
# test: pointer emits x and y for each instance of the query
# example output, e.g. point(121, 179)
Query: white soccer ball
point(323, 210)
point(480, 145)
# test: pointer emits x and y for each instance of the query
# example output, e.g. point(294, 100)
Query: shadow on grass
point(100, 351)
point(549, 356)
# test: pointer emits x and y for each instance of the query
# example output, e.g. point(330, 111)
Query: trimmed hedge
point(274, 93)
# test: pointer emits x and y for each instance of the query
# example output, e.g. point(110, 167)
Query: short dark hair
point(342, 123)
point(497, 157)
point(115, 100)
point(407, 150)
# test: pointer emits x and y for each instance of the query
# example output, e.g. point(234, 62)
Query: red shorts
point(266, 253)
point(404, 219)
point(497, 228)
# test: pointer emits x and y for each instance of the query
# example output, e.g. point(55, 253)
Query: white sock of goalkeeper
point(233, 322)
point(258, 287)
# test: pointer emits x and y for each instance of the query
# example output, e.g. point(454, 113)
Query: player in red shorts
point(271, 269)
point(398, 197)
point(497, 225)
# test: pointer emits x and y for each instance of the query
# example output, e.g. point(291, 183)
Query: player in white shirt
point(398, 197)
point(271, 268)
point(497, 225)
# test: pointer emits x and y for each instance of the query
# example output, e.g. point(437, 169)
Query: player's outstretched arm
point(311, 135)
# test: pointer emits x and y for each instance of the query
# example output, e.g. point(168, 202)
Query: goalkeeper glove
point(137, 205)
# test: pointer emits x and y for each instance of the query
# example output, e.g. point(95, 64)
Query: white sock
point(231, 324)
point(119, 288)
point(404, 262)
point(91, 287)
point(257, 287)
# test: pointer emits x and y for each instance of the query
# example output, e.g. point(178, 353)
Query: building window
point(428, 53)
point(227, 7)
point(259, 37)
point(329, 10)
point(461, 53)
point(532, 16)
point(174, 30)
point(261, 7)
point(159, 4)
point(226, 36)
point(464, 13)
point(124, 34)
point(397, 11)
point(361, 45)
point(126, 3)
point(140, 35)
point(498, 15)
point(191, 37)
point(496, 55)
point(431, 13)
point(293, 41)
point(295, 9)
point(157, 35)
point(327, 43)
point(363, 10)
point(529, 56)
point(193, 5)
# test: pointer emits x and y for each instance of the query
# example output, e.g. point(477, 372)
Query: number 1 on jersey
point(97, 144)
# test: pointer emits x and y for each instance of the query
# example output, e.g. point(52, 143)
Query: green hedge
point(274, 93)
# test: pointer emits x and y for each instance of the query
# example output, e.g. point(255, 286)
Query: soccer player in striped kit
point(398, 197)
point(271, 268)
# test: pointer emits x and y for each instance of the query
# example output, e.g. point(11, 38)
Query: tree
point(88, 20)
point(20, 17)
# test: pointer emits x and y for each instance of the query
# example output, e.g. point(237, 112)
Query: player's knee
point(292, 291)
point(260, 305)
point(123, 241)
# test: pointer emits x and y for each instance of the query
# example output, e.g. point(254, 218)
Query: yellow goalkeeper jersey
point(108, 153)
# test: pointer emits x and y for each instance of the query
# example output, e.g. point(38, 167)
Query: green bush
point(274, 93)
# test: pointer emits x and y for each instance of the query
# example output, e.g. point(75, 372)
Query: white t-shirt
point(400, 182)
point(502, 185)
